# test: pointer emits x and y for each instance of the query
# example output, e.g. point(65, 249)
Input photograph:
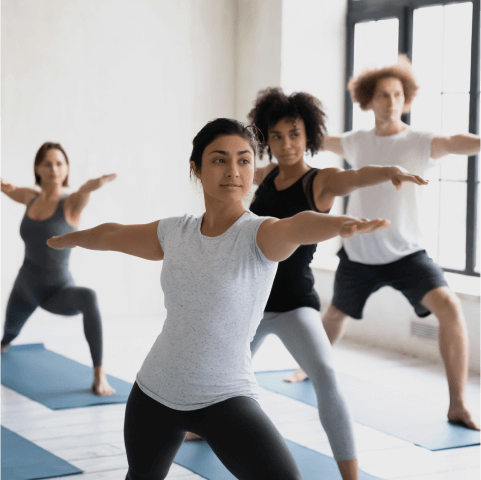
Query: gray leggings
point(303, 334)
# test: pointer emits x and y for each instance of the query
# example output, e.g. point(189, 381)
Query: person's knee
point(88, 298)
point(446, 305)
point(333, 315)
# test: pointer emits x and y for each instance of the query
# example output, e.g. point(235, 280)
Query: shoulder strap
point(307, 182)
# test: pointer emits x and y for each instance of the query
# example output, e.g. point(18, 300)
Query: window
point(446, 64)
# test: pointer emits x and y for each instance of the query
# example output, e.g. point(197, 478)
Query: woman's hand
point(61, 242)
point(398, 175)
point(7, 187)
point(96, 183)
point(351, 227)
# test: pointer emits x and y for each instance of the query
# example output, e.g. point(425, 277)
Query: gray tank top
point(35, 234)
point(215, 291)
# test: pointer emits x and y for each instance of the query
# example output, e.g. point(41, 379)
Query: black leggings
point(238, 431)
point(55, 292)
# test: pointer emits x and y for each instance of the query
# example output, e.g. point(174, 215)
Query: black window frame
point(403, 10)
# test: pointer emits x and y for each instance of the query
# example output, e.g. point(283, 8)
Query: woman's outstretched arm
point(336, 182)
point(278, 239)
point(77, 201)
point(18, 194)
point(137, 240)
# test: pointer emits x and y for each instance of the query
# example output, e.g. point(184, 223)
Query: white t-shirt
point(215, 291)
point(408, 149)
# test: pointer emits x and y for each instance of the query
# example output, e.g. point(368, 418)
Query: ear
point(407, 107)
point(194, 169)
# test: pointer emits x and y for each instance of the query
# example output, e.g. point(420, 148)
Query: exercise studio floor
point(91, 438)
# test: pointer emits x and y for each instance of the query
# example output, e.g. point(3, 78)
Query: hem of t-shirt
point(397, 258)
point(195, 406)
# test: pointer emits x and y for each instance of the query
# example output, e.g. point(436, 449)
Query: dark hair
point(42, 151)
point(363, 86)
point(272, 105)
point(217, 128)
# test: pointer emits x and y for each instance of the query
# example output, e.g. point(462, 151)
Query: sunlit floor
point(91, 438)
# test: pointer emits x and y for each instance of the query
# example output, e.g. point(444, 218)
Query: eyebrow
point(295, 129)
point(222, 152)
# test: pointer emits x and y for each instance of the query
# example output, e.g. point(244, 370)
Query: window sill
point(464, 285)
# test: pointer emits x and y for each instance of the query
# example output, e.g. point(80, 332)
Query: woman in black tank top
point(44, 279)
point(292, 125)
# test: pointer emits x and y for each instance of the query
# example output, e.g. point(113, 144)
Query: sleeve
point(165, 228)
point(254, 228)
point(349, 145)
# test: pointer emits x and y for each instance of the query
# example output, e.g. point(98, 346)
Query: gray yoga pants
point(303, 334)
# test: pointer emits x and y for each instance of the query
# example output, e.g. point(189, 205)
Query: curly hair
point(272, 105)
point(39, 157)
point(363, 86)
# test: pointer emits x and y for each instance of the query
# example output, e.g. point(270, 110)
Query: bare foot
point(100, 386)
point(461, 416)
point(192, 437)
point(4, 348)
point(296, 377)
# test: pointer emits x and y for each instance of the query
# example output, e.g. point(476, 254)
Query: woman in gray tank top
point(44, 279)
point(217, 274)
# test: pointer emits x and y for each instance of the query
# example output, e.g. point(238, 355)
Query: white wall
point(123, 85)
point(313, 61)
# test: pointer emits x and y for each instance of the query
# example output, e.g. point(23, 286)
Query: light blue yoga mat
point(199, 458)
point(54, 380)
point(390, 411)
point(23, 460)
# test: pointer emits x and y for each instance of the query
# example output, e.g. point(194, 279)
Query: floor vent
point(424, 331)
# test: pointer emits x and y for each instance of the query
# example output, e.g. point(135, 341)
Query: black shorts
point(414, 275)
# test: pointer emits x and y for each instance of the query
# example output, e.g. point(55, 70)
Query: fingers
point(372, 225)
point(56, 243)
point(410, 178)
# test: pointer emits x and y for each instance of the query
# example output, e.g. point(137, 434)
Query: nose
point(232, 170)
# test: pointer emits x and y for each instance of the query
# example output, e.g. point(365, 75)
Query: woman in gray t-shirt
point(217, 274)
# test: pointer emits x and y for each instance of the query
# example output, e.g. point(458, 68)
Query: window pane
point(455, 167)
point(426, 112)
point(457, 47)
point(452, 225)
point(375, 45)
point(428, 49)
point(455, 117)
point(429, 213)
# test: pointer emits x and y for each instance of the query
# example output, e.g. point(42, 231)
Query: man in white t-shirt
point(396, 256)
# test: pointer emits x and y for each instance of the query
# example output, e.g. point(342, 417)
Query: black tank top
point(294, 282)
point(35, 234)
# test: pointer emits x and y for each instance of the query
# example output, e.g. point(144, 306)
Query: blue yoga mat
point(54, 380)
point(23, 460)
point(390, 411)
point(199, 458)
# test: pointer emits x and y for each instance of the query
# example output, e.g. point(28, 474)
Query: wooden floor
point(91, 438)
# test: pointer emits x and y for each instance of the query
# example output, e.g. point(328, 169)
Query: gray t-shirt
point(215, 291)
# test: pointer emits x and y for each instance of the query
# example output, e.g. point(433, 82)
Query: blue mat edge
point(77, 472)
point(363, 423)
point(101, 400)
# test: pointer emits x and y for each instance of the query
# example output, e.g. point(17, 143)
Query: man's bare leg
point(334, 322)
point(453, 344)
point(189, 437)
